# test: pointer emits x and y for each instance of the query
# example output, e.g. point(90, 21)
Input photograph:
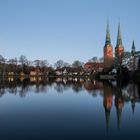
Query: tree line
point(22, 64)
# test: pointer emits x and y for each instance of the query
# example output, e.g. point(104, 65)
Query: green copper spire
point(119, 37)
point(108, 40)
point(133, 48)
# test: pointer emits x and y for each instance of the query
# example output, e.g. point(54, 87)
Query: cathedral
point(108, 49)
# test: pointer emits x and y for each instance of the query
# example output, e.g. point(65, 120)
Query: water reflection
point(108, 89)
point(112, 92)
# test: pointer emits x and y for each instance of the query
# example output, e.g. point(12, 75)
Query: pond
point(69, 109)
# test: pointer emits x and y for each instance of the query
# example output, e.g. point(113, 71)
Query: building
point(36, 72)
point(119, 49)
point(132, 63)
point(108, 50)
point(93, 67)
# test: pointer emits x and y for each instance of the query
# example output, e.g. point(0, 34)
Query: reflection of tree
point(23, 90)
point(37, 88)
point(132, 91)
point(62, 86)
point(59, 87)
point(43, 88)
point(40, 88)
point(2, 91)
point(13, 90)
point(77, 87)
point(111, 93)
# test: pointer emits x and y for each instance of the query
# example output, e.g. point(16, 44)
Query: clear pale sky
point(65, 29)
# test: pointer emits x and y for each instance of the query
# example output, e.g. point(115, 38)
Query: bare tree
point(94, 59)
point(37, 62)
point(12, 64)
point(44, 63)
point(23, 60)
point(29, 63)
point(77, 64)
point(2, 65)
point(101, 59)
point(2, 59)
point(13, 61)
point(59, 64)
point(66, 64)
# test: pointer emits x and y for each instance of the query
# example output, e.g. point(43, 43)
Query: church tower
point(108, 50)
point(133, 49)
point(119, 49)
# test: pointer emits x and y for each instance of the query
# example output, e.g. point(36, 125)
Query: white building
point(132, 63)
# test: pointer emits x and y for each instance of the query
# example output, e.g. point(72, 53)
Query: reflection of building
point(119, 49)
point(131, 93)
point(10, 73)
point(108, 50)
point(10, 79)
point(133, 63)
point(119, 103)
point(21, 74)
point(107, 102)
point(89, 85)
point(35, 79)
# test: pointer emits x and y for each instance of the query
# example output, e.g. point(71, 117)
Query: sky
point(65, 29)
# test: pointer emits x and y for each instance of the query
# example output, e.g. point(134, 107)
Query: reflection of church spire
point(107, 115)
point(133, 98)
point(107, 102)
point(119, 114)
point(133, 105)
point(119, 102)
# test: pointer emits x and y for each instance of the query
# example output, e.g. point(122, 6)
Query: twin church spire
point(108, 49)
point(119, 36)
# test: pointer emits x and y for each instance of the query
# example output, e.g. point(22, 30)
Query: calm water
point(68, 109)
